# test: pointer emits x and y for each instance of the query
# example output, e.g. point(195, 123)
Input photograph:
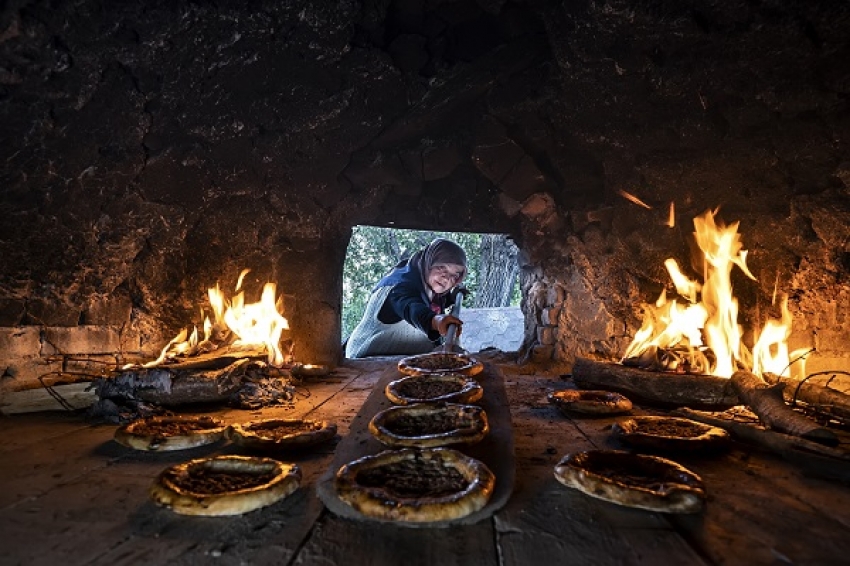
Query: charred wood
point(668, 389)
point(816, 458)
point(767, 402)
point(172, 387)
point(823, 400)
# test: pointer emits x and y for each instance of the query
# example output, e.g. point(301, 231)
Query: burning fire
point(701, 334)
point(235, 324)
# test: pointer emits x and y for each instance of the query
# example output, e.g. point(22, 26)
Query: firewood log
point(829, 401)
point(817, 459)
point(668, 389)
point(767, 402)
point(169, 387)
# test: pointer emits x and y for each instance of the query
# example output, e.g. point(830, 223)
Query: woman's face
point(443, 277)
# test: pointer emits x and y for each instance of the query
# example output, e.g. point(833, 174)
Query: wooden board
point(71, 495)
point(73, 396)
point(544, 521)
point(749, 508)
point(85, 498)
point(496, 450)
point(338, 540)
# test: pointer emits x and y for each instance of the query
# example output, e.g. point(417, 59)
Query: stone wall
point(501, 328)
point(149, 150)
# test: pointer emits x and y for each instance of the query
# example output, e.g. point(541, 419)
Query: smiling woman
point(407, 310)
point(446, 275)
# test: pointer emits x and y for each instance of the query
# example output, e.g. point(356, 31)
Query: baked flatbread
point(440, 362)
point(272, 434)
point(417, 486)
point(670, 433)
point(449, 388)
point(164, 433)
point(633, 480)
point(428, 425)
point(224, 485)
point(589, 402)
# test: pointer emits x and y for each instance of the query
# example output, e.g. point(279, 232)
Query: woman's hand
point(441, 323)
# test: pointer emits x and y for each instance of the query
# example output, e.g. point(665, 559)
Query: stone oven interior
point(150, 152)
point(152, 149)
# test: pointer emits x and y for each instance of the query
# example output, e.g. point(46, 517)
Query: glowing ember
point(671, 217)
point(703, 336)
point(632, 198)
point(235, 324)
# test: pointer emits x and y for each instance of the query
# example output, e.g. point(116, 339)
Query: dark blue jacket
point(408, 300)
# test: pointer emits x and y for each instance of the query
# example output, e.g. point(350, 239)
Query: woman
point(406, 313)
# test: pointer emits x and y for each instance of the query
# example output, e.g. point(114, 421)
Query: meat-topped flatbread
point(427, 425)
point(440, 362)
point(670, 433)
point(164, 433)
point(272, 434)
point(417, 486)
point(633, 480)
point(224, 485)
point(589, 402)
point(449, 388)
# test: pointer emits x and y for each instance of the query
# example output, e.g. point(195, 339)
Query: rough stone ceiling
point(150, 148)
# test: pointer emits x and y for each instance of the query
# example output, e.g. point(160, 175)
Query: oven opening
point(490, 310)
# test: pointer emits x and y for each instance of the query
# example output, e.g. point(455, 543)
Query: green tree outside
point(373, 252)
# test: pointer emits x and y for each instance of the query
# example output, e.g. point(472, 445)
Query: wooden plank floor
point(71, 495)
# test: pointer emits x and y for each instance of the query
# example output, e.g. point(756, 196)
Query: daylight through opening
point(490, 311)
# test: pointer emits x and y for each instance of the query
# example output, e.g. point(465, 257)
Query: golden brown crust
point(457, 424)
point(384, 502)
point(589, 402)
point(273, 434)
point(440, 363)
point(170, 487)
point(164, 433)
point(633, 480)
point(670, 433)
point(461, 389)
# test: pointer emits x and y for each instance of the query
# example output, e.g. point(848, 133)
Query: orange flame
point(770, 354)
point(235, 324)
point(704, 336)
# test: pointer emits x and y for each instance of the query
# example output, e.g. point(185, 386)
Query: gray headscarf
point(440, 252)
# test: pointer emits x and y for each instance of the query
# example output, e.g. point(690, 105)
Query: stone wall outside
point(501, 328)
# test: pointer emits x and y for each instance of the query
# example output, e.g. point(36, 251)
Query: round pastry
point(633, 480)
point(272, 434)
point(440, 362)
point(669, 433)
point(451, 388)
point(427, 425)
point(589, 402)
point(163, 433)
point(309, 370)
point(417, 486)
point(224, 485)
